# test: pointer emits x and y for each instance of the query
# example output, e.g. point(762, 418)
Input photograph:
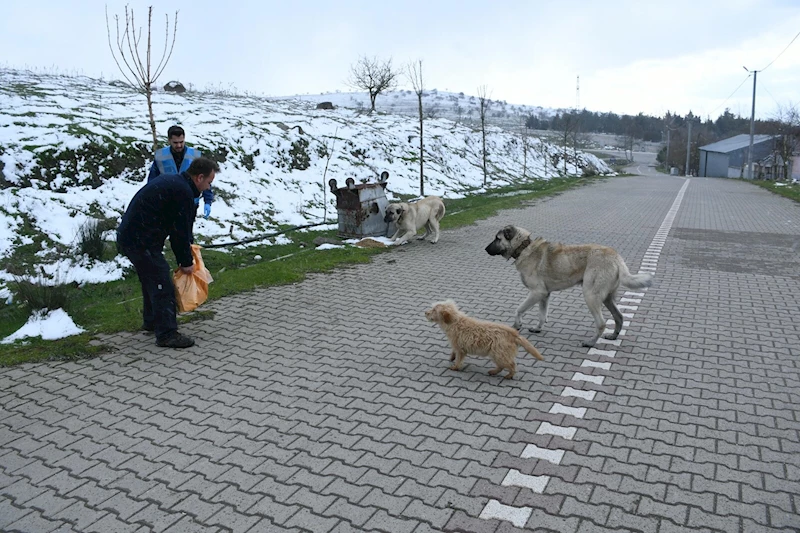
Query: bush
point(90, 239)
point(40, 296)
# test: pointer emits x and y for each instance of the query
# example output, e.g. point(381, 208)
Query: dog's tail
point(440, 212)
point(633, 281)
point(530, 348)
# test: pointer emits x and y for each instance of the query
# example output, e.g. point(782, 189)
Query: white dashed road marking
point(532, 451)
point(516, 515)
point(515, 478)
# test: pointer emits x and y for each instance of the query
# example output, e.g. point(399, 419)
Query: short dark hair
point(175, 131)
point(202, 165)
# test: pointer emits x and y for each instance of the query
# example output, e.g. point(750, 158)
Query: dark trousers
point(158, 292)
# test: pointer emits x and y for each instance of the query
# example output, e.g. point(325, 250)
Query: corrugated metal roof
point(735, 143)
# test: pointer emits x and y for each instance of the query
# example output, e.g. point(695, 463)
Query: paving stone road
point(327, 406)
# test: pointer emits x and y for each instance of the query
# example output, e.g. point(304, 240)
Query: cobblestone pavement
point(328, 405)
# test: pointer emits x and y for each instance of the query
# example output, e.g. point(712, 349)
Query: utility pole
point(688, 148)
point(666, 161)
point(752, 126)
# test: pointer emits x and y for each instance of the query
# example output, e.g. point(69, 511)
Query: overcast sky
point(631, 56)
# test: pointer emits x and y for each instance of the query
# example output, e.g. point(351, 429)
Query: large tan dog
point(409, 218)
point(546, 267)
point(479, 337)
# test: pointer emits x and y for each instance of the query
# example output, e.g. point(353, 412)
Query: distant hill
point(458, 107)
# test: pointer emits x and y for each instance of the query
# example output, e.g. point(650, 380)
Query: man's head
point(202, 171)
point(176, 137)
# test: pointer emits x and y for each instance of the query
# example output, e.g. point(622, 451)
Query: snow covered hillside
point(458, 107)
point(75, 148)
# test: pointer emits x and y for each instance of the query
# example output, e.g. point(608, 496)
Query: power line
point(729, 96)
point(769, 93)
point(779, 55)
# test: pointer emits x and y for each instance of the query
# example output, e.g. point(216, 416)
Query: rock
point(326, 240)
point(174, 87)
point(325, 105)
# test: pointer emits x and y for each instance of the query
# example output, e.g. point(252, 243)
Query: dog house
point(361, 207)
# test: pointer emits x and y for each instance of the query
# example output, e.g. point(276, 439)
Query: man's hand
point(206, 210)
point(197, 201)
point(187, 270)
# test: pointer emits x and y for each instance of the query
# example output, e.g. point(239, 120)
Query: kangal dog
point(547, 267)
point(479, 337)
point(409, 218)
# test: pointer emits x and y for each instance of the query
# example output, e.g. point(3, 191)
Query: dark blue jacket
point(165, 164)
point(162, 208)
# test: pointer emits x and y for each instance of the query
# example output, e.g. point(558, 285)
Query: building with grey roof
point(728, 158)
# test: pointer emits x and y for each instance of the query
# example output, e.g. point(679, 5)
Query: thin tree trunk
point(524, 158)
point(483, 131)
point(149, 94)
point(421, 150)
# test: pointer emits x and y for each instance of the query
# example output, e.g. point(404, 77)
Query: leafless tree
point(786, 124)
point(414, 75)
point(569, 125)
point(483, 108)
point(525, 146)
point(138, 72)
point(373, 76)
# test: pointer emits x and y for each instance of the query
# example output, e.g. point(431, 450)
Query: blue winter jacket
point(165, 164)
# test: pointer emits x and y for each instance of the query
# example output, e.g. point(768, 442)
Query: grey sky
point(631, 56)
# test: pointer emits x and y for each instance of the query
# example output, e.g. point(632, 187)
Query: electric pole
point(752, 126)
point(666, 161)
point(688, 147)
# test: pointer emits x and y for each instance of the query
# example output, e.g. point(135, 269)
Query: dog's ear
point(447, 317)
point(509, 232)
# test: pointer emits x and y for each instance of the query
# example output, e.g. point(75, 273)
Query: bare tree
point(567, 123)
point(786, 124)
point(138, 72)
point(372, 76)
point(525, 147)
point(483, 108)
point(414, 74)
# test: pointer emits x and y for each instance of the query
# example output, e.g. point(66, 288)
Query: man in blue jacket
point(176, 158)
point(164, 208)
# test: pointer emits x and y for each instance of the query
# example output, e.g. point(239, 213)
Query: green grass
point(116, 306)
point(787, 189)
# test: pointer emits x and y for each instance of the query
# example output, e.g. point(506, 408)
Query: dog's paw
point(534, 330)
point(452, 357)
point(455, 367)
point(610, 336)
point(588, 344)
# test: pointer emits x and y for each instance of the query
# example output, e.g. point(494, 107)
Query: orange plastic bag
point(191, 290)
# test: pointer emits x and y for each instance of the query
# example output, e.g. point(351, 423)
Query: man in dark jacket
point(163, 208)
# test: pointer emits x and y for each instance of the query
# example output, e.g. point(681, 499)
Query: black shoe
point(175, 340)
point(148, 329)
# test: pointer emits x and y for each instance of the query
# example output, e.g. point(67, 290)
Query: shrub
point(90, 239)
point(40, 296)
